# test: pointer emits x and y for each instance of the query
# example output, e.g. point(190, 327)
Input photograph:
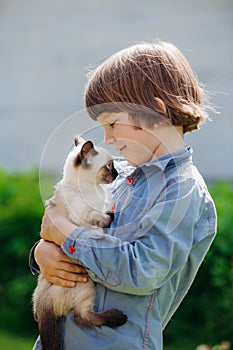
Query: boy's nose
point(109, 140)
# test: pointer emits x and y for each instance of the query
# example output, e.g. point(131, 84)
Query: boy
point(145, 97)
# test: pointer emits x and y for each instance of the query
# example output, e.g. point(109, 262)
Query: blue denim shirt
point(164, 223)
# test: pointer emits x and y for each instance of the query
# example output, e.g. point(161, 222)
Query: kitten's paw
point(101, 220)
point(106, 220)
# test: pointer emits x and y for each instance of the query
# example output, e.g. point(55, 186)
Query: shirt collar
point(178, 157)
point(161, 163)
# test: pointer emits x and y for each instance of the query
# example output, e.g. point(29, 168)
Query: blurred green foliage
point(8, 341)
point(205, 315)
point(21, 210)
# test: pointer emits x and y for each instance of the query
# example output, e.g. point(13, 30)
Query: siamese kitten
point(86, 169)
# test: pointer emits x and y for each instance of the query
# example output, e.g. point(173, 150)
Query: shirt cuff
point(76, 244)
point(87, 248)
point(34, 267)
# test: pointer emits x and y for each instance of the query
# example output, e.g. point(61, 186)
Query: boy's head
point(155, 77)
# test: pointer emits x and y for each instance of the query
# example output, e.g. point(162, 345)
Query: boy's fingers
point(62, 283)
point(70, 276)
point(67, 280)
point(70, 267)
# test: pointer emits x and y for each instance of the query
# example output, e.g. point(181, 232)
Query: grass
point(11, 342)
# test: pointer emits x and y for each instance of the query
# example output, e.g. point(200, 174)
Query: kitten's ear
point(87, 151)
point(87, 147)
point(78, 140)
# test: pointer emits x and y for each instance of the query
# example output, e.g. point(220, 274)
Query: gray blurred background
point(48, 46)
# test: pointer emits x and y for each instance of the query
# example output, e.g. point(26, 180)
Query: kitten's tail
point(109, 318)
point(50, 329)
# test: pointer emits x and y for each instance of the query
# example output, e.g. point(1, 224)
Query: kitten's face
point(107, 173)
point(89, 164)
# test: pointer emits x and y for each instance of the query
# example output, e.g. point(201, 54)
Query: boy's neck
point(171, 140)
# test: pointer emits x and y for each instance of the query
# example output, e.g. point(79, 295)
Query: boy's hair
point(141, 75)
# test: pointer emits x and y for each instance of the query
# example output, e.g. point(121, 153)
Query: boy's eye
point(112, 125)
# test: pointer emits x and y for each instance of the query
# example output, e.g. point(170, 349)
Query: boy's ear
point(162, 111)
point(160, 107)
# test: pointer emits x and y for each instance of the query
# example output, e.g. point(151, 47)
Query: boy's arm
point(164, 240)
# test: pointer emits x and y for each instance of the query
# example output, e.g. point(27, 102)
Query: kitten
point(85, 169)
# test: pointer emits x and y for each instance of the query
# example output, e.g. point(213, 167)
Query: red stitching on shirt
point(148, 319)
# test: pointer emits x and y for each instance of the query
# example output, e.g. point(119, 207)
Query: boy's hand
point(57, 267)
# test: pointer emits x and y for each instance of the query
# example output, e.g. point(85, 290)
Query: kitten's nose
point(114, 173)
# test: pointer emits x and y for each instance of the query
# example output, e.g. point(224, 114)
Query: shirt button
point(130, 181)
point(72, 249)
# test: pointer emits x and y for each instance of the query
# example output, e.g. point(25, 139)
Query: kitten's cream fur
point(86, 169)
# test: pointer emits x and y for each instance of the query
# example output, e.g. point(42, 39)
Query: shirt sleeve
point(34, 267)
point(165, 237)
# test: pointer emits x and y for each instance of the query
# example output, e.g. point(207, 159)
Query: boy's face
point(135, 144)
